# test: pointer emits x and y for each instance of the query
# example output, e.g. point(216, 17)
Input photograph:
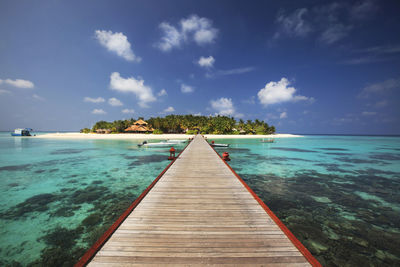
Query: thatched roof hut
point(139, 126)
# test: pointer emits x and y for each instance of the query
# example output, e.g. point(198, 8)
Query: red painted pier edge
point(313, 261)
point(89, 255)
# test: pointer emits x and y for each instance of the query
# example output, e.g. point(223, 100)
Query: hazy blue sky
point(303, 66)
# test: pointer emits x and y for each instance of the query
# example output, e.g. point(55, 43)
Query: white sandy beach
point(153, 136)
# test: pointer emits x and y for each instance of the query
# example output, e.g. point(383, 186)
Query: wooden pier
point(199, 212)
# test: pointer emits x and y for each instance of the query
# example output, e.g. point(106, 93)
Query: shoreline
point(155, 136)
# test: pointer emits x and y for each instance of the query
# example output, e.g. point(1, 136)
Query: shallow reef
point(339, 227)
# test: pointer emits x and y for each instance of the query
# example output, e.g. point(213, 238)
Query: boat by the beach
point(177, 141)
point(159, 144)
point(22, 132)
point(220, 145)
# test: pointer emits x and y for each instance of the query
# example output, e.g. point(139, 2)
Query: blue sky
point(303, 66)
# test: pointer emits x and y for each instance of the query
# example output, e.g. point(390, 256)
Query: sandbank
point(154, 136)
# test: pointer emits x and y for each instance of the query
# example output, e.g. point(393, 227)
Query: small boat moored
point(218, 145)
point(159, 144)
point(22, 132)
point(176, 141)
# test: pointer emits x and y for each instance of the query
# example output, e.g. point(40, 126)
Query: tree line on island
point(188, 124)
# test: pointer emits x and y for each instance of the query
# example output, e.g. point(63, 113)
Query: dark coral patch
point(22, 167)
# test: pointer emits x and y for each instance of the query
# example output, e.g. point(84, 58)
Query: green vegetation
point(157, 131)
point(191, 125)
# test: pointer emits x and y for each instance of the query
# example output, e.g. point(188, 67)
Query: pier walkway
point(201, 213)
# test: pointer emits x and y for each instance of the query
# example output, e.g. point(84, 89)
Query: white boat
point(160, 144)
point(22, 132)
point(177, 141)
point(220, 145)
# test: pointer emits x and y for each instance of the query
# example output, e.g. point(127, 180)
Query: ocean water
point(340, 195)
point(59, 196)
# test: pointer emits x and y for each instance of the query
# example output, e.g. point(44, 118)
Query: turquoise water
point(340, 195)
point(59, 196)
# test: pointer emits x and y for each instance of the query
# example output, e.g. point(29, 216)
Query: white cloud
point(329, 23)
point(381, 88)
point(131, 85)
point(118, 43)
point(283, 115)
point(186, 88)
point(200, 30)
point(114, 102)
point(172, 37)
point(293, 24)
point(368, 113)
point(37, 97)
point(335, 32)
point(19, 83)
point(128, 111)
point(206, 62)
point(162, 92)
point(235, 71)
point(94, 100)
point(223, 106)
point(169, 110)
point(4, 92)
point(362, 10)
point(279, 92)
point(98, 111)
point(251, 100)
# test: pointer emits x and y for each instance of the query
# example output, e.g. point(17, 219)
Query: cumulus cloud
point(380, 88)
point(223, 106)
point(94, 100)
point(206, 62)
point(169, 110)
point(194, 28)
point(162, 92)
point(131, 85)
point(117, 43)
point(283, 115)
point(19, 83)
point(128, 111)
point(114, 102)
point(98, 111)
point(279, 92)
point(186, 88)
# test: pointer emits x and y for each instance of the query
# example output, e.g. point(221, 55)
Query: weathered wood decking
point(199, 213)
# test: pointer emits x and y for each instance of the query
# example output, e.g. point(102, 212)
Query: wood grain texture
point(199, 213)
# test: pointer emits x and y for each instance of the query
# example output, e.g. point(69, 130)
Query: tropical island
point(174, 126)
point(184, 124)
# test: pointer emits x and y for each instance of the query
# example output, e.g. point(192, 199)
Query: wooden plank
point(199, 213)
